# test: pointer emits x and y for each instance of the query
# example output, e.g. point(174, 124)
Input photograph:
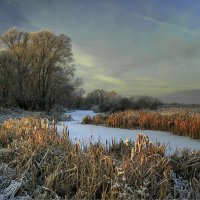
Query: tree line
point(101, 100)
point(36, 69)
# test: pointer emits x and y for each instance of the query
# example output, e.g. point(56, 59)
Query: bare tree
point(6, 79)
point(43, 70)
point(97, 96)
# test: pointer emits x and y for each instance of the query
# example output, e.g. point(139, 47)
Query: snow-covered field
point(16, 113)
point(83, 133)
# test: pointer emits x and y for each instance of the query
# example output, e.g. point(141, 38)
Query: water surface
point(83, 132)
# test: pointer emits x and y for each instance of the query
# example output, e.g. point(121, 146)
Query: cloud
point(143, 78)
point(166, 24)
point(107, 79)
point(125, 49)
point(84, 59)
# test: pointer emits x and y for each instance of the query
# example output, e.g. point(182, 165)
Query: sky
point(135, 47)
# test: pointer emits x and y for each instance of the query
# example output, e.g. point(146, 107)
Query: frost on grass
point(12, 189)
point(8, 187)
point(36, 162)
point(184, 189)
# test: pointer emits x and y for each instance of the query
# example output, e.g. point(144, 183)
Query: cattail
point(47, 124)
point(63, 128)
point(136, 146)
point(77, 147)
point(126, 142)
point(140, 148)
point(143, 158)
point(53, 122)
point(139, 137)
point(151, 147)
point(146, 141)
point(132, 153)
point(113, 141)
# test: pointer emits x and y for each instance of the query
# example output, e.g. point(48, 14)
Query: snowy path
point(83, 132)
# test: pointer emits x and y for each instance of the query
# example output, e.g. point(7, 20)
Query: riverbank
point(16, 113)
point(180, 122)
point(83, 132)
point(37, 162)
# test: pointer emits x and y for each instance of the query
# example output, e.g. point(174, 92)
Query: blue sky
point(134, 47)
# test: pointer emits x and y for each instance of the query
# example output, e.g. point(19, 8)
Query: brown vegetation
point(36, 162)
point(97, 119)
point(183, 123)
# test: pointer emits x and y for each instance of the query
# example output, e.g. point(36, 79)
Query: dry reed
point(38, 163)
point(183, 123)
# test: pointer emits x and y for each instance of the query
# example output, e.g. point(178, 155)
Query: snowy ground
point(16, 113)
point(83, 132)
point(13, 113)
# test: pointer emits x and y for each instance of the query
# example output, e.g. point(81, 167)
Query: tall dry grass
point(183, 123)
point(37, 162)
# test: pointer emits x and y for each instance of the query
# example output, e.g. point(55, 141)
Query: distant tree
point(77, 97)
point(146, 102)
point(113, 97)
point(104, 101)
point(124, 104)
point(97, 97)
point(42, 67)
point(6, 78)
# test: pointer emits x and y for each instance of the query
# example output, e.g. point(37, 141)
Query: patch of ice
point(83, 133)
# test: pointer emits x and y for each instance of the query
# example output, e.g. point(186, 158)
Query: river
point(83, 132)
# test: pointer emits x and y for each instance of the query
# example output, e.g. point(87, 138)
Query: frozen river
point(83, 133)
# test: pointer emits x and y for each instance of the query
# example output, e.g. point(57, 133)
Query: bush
point(87, 120)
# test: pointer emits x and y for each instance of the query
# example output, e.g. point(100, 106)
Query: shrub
point(87, 120)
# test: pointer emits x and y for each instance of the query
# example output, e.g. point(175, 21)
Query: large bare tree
point(40, 66)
